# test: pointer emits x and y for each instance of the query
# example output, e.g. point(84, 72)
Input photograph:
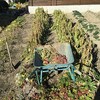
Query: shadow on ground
point(8, 16)
point(97, 94)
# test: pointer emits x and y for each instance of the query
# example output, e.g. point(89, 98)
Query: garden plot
point(42, 28)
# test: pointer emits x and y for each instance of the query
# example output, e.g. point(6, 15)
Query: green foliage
point(88, 27)
point(43, 17)
point(60, 25)
point(84, 87)
point(40, 25)
point(65, 88)
point(86, 82)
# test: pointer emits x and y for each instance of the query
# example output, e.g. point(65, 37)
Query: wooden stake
point(8, 52)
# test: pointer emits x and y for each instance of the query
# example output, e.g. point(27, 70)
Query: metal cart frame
point(62, 48)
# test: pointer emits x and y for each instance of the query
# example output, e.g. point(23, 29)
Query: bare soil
point(17, 46)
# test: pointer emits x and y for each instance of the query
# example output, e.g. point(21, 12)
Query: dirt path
point(17, 46)
point(23, 37)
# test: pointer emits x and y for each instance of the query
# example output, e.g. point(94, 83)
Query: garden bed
point(21, 38)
